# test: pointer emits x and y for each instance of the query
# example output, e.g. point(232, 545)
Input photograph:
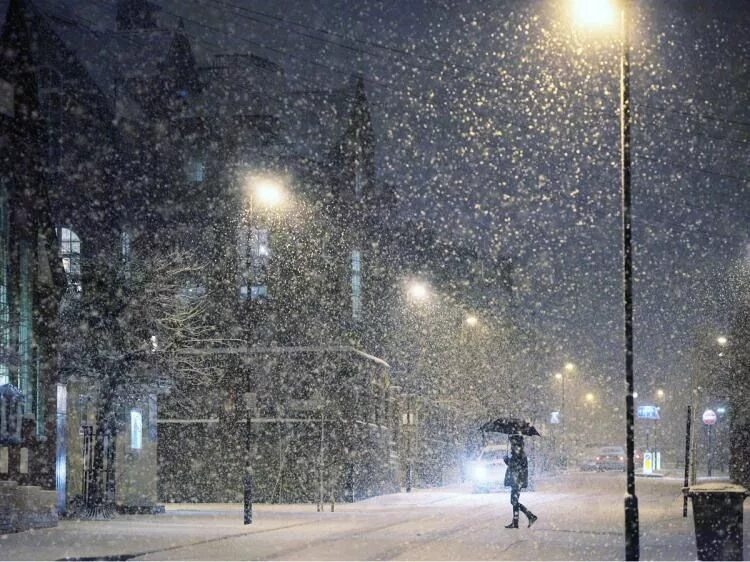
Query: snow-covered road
point(580, 518)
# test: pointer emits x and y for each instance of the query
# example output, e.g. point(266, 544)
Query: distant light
point(660, 393)
point(472, 321)
point(418, 291)
point(589, 397)
point(593, 13)
point(154, 343)
point(559, 376)
point(721, 410)
point(569, 367)
point(267, 190)
point(722, 340)
point(635, 394)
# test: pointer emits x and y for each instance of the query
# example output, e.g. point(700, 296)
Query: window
point(196, 170)
point(124, 253)
point(358, 178)
point(4, 310)
point(26, 370)
point(255, 277)
point(70, 252)
point(356, 284)
point(124, 246)
point(136, 430)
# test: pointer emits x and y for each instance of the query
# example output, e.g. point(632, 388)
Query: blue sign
point(648, 413)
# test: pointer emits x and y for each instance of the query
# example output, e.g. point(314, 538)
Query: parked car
point(487, 472)
point(611, 458)
point(587, 460)
point(602, 458)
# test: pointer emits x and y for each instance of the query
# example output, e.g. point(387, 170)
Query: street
point(580, 518)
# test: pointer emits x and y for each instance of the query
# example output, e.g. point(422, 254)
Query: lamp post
point(268, 192)
point(601, 12)
point(418, 292)
point(561, 378)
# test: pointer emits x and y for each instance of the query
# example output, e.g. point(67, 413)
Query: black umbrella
point(510, 426)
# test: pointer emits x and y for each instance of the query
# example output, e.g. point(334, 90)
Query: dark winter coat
point(517, 473)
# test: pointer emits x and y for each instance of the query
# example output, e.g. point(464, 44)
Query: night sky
point(498, 122)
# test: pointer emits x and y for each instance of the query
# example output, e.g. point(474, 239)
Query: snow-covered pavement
point(580, 518)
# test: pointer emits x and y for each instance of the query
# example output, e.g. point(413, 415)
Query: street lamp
point(590, 398)
point(418, 291)
point(722, 341)
point(594, 13)
point(561, 378)
point(269, 192)
point(570, 367)
point(265, 190)
point(584, 13)
point(472, 321)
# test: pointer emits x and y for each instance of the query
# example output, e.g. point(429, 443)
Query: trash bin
point(717, 514)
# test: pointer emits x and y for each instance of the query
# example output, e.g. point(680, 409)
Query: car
point(487, 472)
point(610, 458)
point(587, 461)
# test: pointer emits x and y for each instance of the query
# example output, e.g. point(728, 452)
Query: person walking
point(517, 477)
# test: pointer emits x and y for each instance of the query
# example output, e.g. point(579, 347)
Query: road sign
point(709, 417)
point(648, 463)
point(648, 412)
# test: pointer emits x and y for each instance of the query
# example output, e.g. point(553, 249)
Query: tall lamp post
point(268, 192)
point(561, 377)
point(602, 12)
point(418, 293)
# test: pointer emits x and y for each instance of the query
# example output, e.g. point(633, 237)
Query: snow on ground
point(580, 518)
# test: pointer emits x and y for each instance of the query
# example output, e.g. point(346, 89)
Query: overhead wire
point(338, 70)
point(362, 51)
point(445, 64)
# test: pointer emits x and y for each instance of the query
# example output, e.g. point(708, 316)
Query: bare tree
point(123, 334)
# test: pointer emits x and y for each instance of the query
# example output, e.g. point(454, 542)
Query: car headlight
point(479, 472)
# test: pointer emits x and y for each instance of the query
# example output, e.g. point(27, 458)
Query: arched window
point(70, 253)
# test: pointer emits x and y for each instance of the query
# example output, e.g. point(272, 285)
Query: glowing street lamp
point(595, 13)
point(660, 394)
point(722, 341)
point(418, 291)
point(590, 397)
point(561, 377)
point(266, 190)
point(472, 321)
point(570, 367)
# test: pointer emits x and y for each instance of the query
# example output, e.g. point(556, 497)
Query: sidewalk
point(581, 518)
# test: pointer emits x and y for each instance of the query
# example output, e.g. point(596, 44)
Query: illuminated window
point(255, 275)
point(4, 310)
point(195, 170)
point(136, 430)
point(356, 284)
point(70, 252)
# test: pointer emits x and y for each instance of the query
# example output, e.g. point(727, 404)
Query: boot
point(513, 524)
point(530, 516)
